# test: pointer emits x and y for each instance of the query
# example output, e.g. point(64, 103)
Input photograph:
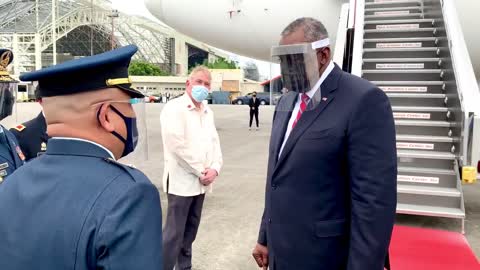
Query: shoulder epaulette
point(130, 169)
point(20, 128)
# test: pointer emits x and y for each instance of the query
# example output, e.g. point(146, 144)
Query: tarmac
point(232, 212)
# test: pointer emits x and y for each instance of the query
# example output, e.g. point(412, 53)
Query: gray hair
point(199, 69)
point(313, 29)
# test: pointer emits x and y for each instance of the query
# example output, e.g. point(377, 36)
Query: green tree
point(221, 63)
point(142, 68)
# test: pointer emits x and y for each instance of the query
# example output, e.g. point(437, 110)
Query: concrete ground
point(231, 215)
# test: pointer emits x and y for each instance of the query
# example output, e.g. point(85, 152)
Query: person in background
point(254, 104)
point(32, 135)
point(193, 160)
point(11, 155)
point(76, 206)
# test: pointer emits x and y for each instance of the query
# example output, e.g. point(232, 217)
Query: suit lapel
point(328, 88)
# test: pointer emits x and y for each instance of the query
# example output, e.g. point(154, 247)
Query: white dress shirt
point(190, 144)
point(310, 94)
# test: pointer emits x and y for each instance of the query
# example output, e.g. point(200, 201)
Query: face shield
point(299, 73)
point(7, 98)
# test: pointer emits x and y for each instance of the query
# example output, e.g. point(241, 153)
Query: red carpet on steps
point(426, 249)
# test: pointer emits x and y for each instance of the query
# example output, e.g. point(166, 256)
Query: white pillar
point(38, 52)
point(16, 53)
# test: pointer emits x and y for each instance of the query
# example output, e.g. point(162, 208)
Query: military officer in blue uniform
point(76, 207)
point(32, 135)
point(11, 156)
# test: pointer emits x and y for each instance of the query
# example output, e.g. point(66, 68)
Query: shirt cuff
point(216, 167)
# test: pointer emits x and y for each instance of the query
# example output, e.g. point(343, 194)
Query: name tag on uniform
point(3, 173)
point(3, 166)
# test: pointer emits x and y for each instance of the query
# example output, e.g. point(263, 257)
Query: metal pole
point(112, 35)
point(113, 15)
point(271, 85)
point(54, 31)
point(36, 15)
point(91, 27)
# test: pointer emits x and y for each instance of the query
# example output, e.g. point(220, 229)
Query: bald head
point(89, 116)
point(71, 108)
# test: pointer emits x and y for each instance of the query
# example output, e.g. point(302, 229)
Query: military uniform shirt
point(11, 156)
point(76, 208)
point(32, 136)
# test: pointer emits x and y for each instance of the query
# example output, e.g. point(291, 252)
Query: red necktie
point(303, 105)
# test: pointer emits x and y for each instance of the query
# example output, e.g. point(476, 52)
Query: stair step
point(401, 21)
point(401, 60)
point(425, 154)
point(423, 123)
point(415, 95)
point(426, 138)
point(418, 109)
point(405, 42)
point(433, 211)
point(410, 87)
point(387, 9)
point(384, 16)
point(429, 190)
point(426, 29)
point(402, 63)
point(408, 83)
point(415, 174)
point(402, 52)
point(424, 49)
point(405, 39)
point(405, 169)
point(430, 113)
point(402, 74)
point(390, 71)
point(394, 2)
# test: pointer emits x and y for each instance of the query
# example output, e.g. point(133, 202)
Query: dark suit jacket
point(32, 137)
point(253, 104)
point(331, 195)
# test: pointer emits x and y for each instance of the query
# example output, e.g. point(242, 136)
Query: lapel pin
point(324, 99)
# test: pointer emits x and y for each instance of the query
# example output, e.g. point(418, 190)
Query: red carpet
point(426, 249)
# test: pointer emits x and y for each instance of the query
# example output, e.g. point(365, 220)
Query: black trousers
point(253, 113)
point(183, 219)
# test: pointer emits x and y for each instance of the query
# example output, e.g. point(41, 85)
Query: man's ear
point(104, 118)
point(323, 56)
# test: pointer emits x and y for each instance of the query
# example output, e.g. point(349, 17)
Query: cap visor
point(132, 92)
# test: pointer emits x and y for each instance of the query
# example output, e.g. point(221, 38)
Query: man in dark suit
point(253, 103)
point(331, 182)
point(32, 135)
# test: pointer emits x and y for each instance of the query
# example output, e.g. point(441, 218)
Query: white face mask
point(199, 93)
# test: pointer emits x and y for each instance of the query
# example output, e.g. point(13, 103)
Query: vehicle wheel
point(239, 102)
point(263, 102)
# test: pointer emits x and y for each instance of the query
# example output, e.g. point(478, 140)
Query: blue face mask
point(199, 93)
point(132, 132)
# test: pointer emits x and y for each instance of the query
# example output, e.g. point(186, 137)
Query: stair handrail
point(359, 17)
point(466, 83)
point(341, 39)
